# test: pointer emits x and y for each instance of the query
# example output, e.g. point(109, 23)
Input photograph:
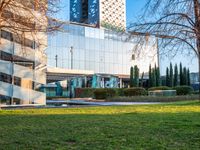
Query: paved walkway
point(95, 103)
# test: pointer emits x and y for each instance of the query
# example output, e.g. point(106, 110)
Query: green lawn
point(150, 127)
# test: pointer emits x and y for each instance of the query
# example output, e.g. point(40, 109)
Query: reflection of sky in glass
point(97, 50)
point(134, 9)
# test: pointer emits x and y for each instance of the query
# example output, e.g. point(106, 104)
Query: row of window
point(18, 39)
point(98, 33)
point(16, 59)
point(7, 100)
point(17, 81)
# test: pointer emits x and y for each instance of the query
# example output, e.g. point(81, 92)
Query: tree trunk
point(199, 68)
point(197, 28)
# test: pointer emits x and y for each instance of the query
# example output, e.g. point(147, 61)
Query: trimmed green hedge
point(104, 93)
point(183, 90)
point(159, 88)
point(84, 92)
point(89, 92)
point(117, 92)
point(153, 98)
point(137, 91)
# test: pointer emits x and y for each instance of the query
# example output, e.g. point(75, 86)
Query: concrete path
point(83, 102)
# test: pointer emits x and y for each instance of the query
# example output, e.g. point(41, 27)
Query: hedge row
point(153, 98)
point(159, 88)
point(84, 92)
point(180, 90)
point(129, 92)
point(105, 93)
point(89, 92)
point(183, 90)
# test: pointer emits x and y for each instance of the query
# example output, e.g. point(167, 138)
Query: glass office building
point(91, 42)
point(100, 50)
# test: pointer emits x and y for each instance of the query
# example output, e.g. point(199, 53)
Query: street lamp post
point(71, 51)
point(56, 58)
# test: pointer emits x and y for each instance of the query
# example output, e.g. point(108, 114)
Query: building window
point(5, 100)
point(18, 39)
point(16, 59)
point(17, 81)
point(133, 57)
point(16, 101)
point(5, 56)
point(5, 78)
point(6, 35)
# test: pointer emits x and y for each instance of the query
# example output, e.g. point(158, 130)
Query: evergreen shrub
point(159, 88)
point(84, 92)
point(104, 93)
point(137, 91)
point(183, 90)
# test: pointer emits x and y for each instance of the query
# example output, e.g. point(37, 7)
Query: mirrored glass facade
point(98, 50)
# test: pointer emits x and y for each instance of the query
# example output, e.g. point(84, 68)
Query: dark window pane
point(5, 77)
point(5, 100)
point(6, 35)
point(18, 39)
point(17, 81)
point(5, 56)
point(16, 101)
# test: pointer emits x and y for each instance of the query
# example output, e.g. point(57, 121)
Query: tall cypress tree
point(136, 76)
point(184, 76)
point(150, 76)
point(155, 70)
point(181, 74)
point(142, 78)
point(171, 76)
point(158, 76)
point(176, 75)
point(131, 77)
point(153, 76)
point(167, 77)
point(188, 77)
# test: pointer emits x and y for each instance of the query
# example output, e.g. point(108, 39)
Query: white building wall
point(113, 12)
point(23, 59)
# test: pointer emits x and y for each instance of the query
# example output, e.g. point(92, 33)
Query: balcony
point(23, 72)
point(26, 96)
point(35, 55)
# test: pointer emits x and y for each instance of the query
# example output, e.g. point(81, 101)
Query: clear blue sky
point(134, 8)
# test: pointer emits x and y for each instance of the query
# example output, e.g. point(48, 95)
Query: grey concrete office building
point(22, 60)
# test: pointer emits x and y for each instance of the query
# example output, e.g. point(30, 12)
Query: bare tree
point(29, 15)
point(175, 22)
point(24, 23)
